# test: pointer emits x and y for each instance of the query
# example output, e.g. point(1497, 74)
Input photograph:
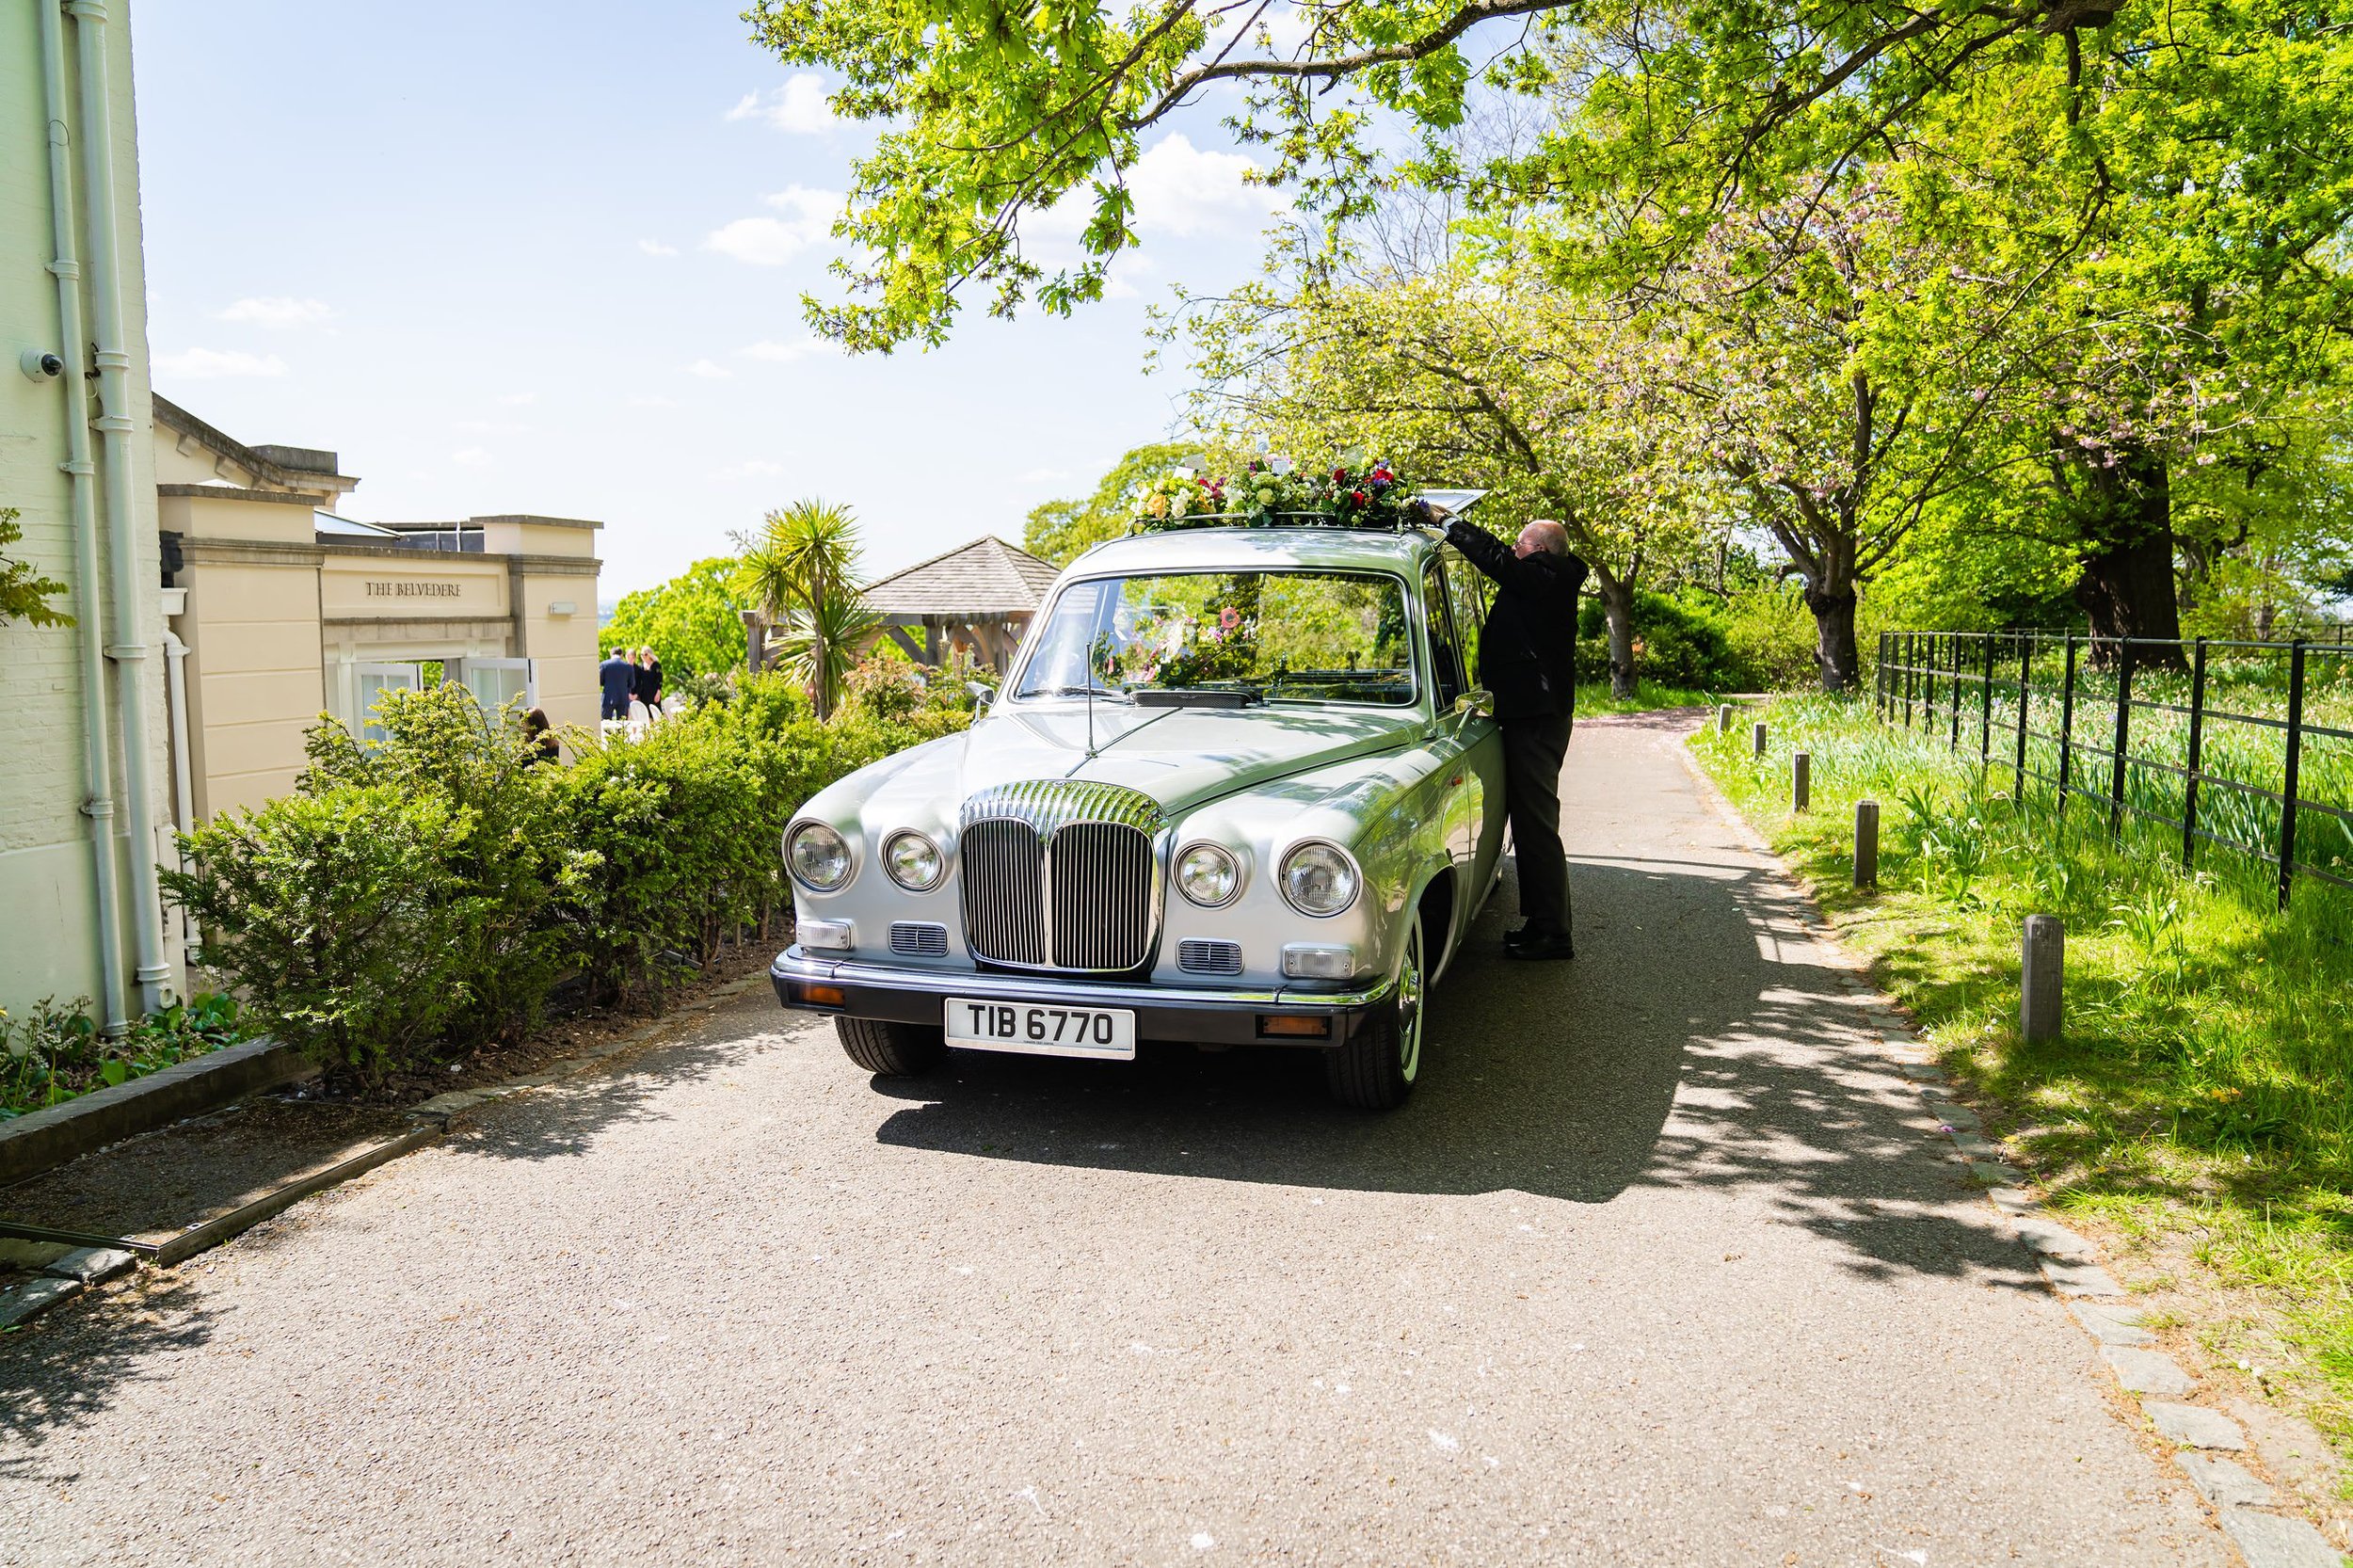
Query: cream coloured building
point(281, 610)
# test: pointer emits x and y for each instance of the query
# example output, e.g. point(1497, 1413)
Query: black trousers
point(1534, 750)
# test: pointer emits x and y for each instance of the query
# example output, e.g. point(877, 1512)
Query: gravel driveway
point(1661, 1265)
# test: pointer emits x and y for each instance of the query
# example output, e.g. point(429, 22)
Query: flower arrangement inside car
point(1270, 491)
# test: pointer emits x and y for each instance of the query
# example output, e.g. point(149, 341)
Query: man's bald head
point(1542, 538)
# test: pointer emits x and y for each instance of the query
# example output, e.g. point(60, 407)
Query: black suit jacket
point(1528, 650)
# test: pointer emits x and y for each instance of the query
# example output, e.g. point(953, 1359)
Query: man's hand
point(1427, 520)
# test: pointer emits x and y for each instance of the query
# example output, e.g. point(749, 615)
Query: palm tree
point(801, 568)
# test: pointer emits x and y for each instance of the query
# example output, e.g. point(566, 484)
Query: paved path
point(1660, 1266)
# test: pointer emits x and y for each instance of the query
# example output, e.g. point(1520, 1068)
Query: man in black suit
point(616, 679)
point(1527, 660)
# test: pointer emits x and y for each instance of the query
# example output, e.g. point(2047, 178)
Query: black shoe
point(1538, 939)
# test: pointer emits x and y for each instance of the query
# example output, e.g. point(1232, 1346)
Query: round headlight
point(1319, 879)
point(1208, 875)
point(817, 857)
point(913, 861)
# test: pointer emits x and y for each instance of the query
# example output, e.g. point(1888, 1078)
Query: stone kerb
point(42, 1138)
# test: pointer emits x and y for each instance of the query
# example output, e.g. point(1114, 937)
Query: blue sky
point(542, 258)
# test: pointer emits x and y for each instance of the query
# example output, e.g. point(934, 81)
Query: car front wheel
point(891, 1049)
point(1376, 1069)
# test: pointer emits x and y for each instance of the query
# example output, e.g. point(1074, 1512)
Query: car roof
point(1246, 549)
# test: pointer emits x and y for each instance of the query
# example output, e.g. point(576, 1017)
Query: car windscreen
point(1316, 637)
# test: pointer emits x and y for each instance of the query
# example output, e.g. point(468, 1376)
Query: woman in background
point(649, 682)
point(540, 737)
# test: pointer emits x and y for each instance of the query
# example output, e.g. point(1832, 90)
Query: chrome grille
point(919, 939)
point(1101, 890)
point(1061, 874)
point(1201, 956)
point(1004, 868)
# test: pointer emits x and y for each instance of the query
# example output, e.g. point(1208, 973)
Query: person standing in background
point(648, 682)
point(617, 683)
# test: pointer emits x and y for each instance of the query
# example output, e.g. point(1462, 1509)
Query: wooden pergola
point(977, 596)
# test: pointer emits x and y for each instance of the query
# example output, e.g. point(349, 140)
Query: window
point(1311, 636)
point(1446, 653)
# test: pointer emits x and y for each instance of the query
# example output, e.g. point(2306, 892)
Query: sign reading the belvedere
point(381, 588)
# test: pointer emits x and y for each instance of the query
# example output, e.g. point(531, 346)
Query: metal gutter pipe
point(98, 801)
point(115, 428)
point(183, 781)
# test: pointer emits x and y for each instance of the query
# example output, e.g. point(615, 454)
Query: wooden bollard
point(1756, 734)
point(2042, 974)
point(1723, 718)
point(1867, 844)
point(1801, 780)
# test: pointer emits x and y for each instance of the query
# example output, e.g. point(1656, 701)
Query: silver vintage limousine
point(1234, 790)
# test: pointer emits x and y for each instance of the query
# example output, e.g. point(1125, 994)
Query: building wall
point(46, 862)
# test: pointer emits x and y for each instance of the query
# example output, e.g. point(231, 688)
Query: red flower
point(1339, 476)
point(1356, 496)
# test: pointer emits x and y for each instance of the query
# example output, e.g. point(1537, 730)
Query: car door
point(1471, 751)
point(1469, 606)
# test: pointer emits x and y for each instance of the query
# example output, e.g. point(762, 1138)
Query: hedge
point(418, 898)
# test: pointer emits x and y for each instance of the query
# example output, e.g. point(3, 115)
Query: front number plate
point(1035, 1029)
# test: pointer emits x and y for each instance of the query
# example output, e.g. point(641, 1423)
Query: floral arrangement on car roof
point(1350, 493)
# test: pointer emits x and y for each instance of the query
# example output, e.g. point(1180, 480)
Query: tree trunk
point(1834, 649)
point(2127, 589)
point(1617, 612)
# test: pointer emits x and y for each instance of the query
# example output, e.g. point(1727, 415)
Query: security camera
point(39, 365)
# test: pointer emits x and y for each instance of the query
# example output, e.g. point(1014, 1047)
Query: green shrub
point(1678, 643)
point(423, 895)
point(343, 919)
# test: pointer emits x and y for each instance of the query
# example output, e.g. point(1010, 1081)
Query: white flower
point(1266, 498)
point(1176, 505)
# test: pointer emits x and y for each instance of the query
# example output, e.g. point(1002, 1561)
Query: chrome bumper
point(1212, 1015)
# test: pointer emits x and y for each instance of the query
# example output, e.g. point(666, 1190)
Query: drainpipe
point(116, 428)
point(183, 783)
point(98, 798)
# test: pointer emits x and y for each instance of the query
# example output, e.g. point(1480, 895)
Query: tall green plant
point(801, 568)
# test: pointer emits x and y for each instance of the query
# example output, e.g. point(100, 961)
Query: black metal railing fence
point(2244, 746)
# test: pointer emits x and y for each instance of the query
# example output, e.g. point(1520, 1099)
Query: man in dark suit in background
point(616, 677)
point(1527, 660)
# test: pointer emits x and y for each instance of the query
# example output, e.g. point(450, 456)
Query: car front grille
point(1060, 875)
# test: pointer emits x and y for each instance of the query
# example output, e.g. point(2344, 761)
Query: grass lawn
point(2198, 1114)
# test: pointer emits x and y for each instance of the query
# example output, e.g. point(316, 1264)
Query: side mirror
point(1474, 705)
point(982, 695)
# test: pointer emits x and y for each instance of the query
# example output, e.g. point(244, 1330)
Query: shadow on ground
point(64, 1368)
point(1684, 1047)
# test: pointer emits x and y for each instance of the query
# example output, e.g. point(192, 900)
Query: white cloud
point(757, 468)
point(655, 247)
point(798, 107)
point(785, 353)
point(809, 215)
point(215, 364)
point(1180, 189)
point(709, 371)
point(471, 456)
point(278, 311)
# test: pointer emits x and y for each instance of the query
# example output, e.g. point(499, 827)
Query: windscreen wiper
point(1197, 697)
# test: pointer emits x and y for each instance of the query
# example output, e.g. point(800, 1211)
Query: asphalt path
point(1661, 1265)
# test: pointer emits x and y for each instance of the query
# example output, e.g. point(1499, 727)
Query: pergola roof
point(982, 580)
